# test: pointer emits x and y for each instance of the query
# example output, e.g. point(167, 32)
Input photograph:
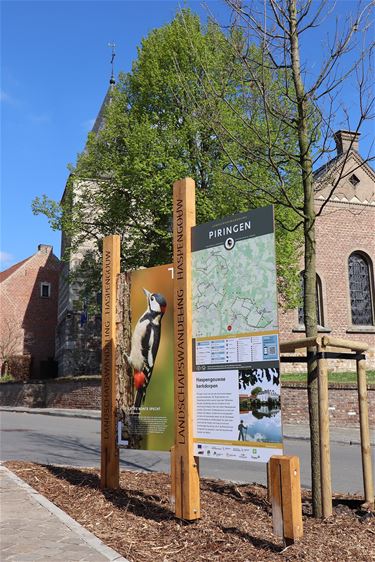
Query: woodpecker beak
point(147, 293)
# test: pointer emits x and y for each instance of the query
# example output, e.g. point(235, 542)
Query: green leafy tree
point(158, 128)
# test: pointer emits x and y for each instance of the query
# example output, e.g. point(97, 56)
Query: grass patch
point(349, 376)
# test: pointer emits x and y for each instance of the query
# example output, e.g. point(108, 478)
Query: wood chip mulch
point(235, 524)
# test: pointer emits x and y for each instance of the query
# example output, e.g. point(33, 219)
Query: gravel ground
point(235, 524)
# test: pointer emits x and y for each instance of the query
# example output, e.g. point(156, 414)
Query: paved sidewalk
point(35, 530)
point(343, 435)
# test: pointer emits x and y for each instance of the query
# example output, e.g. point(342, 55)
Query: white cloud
point(6, 260)
point(7, 98)
point(259, 437)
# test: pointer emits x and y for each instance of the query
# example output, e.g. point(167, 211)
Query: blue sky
point(55, 73)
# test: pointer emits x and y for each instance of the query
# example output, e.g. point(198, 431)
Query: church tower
point(78, 333)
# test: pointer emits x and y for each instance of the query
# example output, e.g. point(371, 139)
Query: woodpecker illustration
point(145, 343)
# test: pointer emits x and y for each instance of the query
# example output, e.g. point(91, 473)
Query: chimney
point(45, 248)
point(346, 140)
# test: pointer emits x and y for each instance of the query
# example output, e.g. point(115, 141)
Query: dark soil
point(235, 525)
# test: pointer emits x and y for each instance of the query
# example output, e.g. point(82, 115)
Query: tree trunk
point(310, 315)
point(312, 371)
point(125, 383)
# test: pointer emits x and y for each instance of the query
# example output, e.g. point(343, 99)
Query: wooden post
point(291, 345)
point(365, 433)
point(109, 476)
point(347, 344)
point(324, 437)
point(185, 469)
point(285, 490)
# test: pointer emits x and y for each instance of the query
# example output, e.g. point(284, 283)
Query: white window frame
point(42, 285)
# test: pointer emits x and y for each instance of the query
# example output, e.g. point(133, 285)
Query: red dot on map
point(229, 328)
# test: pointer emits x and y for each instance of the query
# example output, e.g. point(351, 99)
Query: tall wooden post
point(365, 433)
point(109, 476)
point(184, 469)
point(324, 437)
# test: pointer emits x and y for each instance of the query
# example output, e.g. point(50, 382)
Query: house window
point(45, 290)
point(354, 180)
point(361, 290)
point(319, 302)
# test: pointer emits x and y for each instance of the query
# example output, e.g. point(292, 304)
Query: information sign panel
point(236, 380)
point(148, 423)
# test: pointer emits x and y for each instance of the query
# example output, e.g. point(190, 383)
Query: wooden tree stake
point(109, 475)
point(365, 433)
point(285, 492)
point(184, 469)
point(324, 437)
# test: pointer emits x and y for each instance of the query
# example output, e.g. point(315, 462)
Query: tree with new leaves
point(288, 97)
point(157, 129)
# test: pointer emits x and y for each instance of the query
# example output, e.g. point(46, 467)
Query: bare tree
point(290, 107)
point(11, 342)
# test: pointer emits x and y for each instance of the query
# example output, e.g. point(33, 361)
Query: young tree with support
point(306, 107)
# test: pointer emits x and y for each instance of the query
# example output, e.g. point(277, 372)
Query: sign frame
point(110, 460)
point(184, 466)
point(236, 338)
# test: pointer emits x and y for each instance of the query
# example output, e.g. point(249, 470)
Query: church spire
point(99, 121)
point(112, 79)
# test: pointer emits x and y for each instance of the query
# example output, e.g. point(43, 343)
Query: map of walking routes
point(236, 371)
point(234, 289)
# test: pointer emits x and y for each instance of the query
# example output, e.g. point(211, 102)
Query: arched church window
point(361, 290)
point(319, 301)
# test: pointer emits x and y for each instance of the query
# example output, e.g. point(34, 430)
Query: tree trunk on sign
point(125, 383)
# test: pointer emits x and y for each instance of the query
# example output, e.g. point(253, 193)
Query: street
point(76, 442)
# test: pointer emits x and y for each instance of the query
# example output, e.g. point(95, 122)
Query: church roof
point(99, 121)
point(41, 248)
point(8, 272)
point(347, 177)
point(325, 168)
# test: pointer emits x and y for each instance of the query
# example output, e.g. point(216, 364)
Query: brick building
point(29, 297)
point(345, 243)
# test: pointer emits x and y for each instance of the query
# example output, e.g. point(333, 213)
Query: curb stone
point(83, 533)
point(85, 414)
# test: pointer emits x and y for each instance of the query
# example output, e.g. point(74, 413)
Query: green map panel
point(234, 291)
